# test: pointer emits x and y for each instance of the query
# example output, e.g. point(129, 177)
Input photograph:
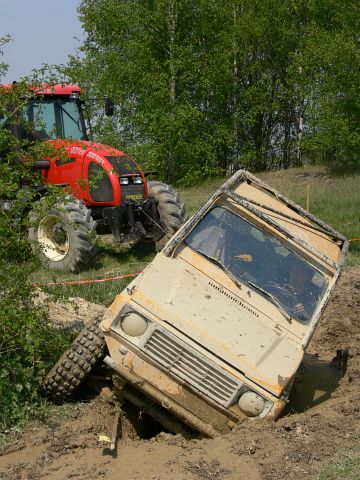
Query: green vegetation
point(28, 343)
point(346, 464)
point(111, 262)
point(206, 86)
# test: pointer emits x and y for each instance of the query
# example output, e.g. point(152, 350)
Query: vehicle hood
point(83, 147)
point(216, 319)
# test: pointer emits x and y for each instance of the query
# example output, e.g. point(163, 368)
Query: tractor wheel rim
point(53, 237)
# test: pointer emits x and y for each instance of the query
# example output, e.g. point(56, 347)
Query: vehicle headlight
point(251, 403)
point(134, 324)
point(137, 180)
point(124, 181)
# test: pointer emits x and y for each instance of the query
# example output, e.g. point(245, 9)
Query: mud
point(73, 314)
point(323, 427)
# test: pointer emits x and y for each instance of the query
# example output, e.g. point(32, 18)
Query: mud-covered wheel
point(76, 363)
point(171, 210)
point(64, 236)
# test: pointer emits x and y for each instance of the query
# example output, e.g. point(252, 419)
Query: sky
point(43, 32)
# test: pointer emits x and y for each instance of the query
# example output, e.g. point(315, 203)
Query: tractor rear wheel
point(170, 207)
point(64, 235)
point(76, 363)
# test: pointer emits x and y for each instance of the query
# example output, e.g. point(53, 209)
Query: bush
point(28, 344)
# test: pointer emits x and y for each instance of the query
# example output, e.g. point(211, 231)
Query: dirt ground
point(297, 446)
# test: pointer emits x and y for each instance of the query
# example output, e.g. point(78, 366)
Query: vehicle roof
point(44, 89)
point(316, 235)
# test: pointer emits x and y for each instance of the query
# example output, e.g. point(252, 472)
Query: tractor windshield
point(253, 257)
point(51, 118)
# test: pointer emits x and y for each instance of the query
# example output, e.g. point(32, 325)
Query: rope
point(354, 239)
point(80, 282)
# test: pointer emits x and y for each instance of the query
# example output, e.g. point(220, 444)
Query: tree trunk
point(172, 20)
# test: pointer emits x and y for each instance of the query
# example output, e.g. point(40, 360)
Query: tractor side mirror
point(109, 107)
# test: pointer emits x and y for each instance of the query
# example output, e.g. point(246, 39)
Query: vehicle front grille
point(132, 192)
point(193, 368)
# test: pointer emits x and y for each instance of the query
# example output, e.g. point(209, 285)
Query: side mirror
point(109, 107)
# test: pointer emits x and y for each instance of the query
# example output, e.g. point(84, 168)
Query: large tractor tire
point(76, 363)
point(64, 236)
point(171, 210)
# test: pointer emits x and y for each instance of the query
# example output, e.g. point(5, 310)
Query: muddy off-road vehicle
point(107, 191)
point(216, 326)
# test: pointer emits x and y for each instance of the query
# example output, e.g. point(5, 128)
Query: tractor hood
point(81, 166)
point(81, 148)
point(217, 320)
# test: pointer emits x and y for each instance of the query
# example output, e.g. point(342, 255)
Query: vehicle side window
point(100, 187)
point(42, 118)
point(70, 120)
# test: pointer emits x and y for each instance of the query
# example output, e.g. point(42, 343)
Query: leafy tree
point(329, 63)
point(28, 344)
point(207, 85)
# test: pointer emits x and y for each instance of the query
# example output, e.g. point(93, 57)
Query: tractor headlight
point(251, 403)
point(124, 181)
point(134, 324)
point(138, 180)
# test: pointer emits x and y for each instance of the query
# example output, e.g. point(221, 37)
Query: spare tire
point(76, 363)
point(171, 209)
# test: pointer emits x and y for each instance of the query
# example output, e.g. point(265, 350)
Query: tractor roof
point(44, 89)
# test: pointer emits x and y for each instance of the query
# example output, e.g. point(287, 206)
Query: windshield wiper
point(70, 116)
point(272, 298)
point(256, 287)
point(222, 266)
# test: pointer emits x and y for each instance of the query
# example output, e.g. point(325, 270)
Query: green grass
point(336, 200)
point(345, 465)
point(112, 261)
point(195, 197)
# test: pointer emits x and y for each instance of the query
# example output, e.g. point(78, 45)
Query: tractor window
point(100, 187)
point(41, 117)
point(55, 118)
point(123, 165)
point(73, 127)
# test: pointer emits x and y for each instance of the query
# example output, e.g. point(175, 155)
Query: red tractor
point(108, 191)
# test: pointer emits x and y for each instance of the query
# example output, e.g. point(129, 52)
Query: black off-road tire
point(170, 207)
point(64, 236)
point(76, 363)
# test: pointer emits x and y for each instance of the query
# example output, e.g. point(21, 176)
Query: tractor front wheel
point(64, 235)
point(171, 209)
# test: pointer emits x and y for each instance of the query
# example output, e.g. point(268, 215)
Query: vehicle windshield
point(259, 260)
point(54, 118)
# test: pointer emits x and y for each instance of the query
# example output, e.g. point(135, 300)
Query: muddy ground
point(297, 446)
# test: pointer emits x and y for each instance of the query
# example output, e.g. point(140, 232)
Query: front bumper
point(176, 397)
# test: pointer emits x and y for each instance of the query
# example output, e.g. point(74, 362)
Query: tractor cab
point(51, 113)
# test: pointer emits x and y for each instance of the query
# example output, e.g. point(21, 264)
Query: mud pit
point(296, 446)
